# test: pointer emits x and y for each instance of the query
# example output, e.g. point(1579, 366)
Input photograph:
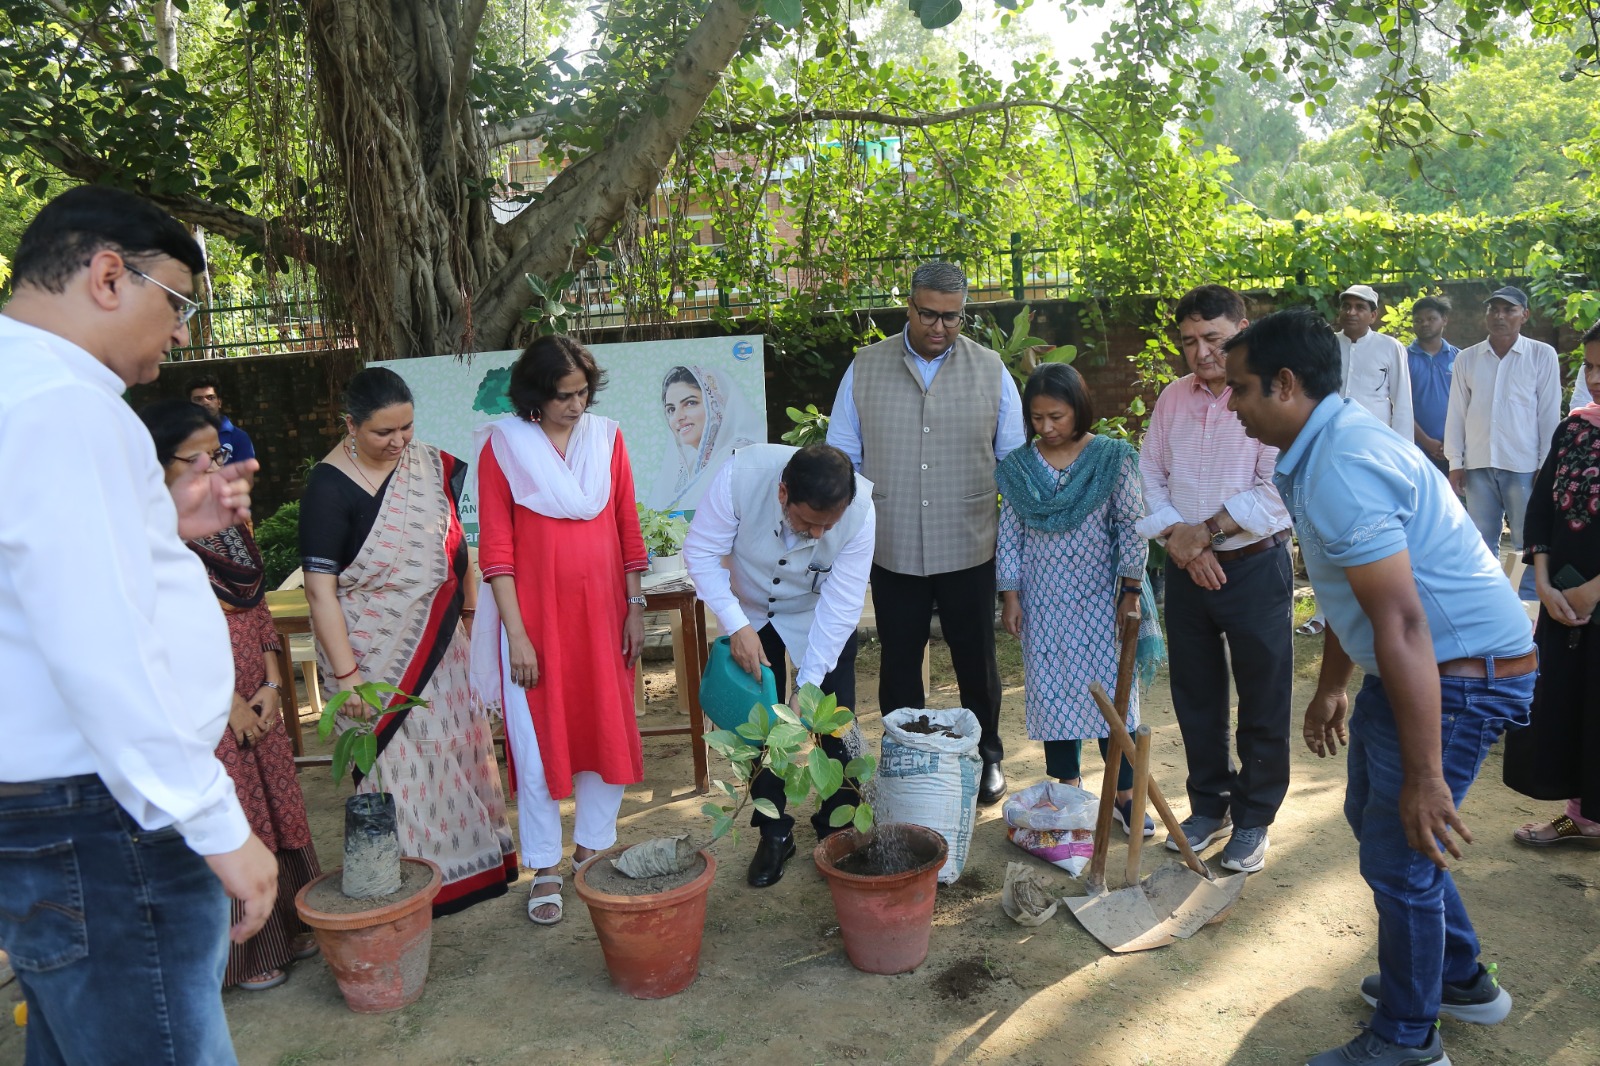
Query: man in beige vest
point(925, 415)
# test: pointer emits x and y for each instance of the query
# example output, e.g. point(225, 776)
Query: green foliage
point(663, 532)
point(810, 426)
point(358, 743)
point(1396, 320)
point(785, 740)
point(494, 392)
point(278, 537)
point(1019, 350)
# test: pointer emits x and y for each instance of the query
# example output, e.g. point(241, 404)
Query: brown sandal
point(1567, 832)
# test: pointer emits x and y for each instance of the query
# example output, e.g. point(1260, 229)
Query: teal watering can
point(727, 692)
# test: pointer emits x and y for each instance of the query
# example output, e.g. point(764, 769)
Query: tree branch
point(891, 118)
point(526, 128)
point(466, 48)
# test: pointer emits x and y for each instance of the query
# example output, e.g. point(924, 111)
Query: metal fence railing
point(1266, 255)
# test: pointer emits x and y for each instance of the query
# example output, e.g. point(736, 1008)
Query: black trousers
point(841, 684)
point(966, 599)
point(1248, 622)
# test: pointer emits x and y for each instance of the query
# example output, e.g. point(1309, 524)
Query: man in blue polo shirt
point(1431, 359)
point(1415, 598)
point(203, 391)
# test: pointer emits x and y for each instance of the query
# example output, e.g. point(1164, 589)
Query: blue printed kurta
point(1069, 585)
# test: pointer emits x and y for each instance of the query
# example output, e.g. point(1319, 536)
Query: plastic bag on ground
point(928, 776)
point(1028, 897)
point(1054, 822)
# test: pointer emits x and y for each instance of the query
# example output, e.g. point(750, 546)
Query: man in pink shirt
point(1209, 497)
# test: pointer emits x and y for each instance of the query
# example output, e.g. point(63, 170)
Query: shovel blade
point(1122, 920)
point(1183, 902)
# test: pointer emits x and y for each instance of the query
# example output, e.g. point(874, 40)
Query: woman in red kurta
point(559, 546)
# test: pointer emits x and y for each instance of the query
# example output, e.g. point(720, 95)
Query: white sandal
point(552, 899)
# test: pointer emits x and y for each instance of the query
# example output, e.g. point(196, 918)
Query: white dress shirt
point(839, 600)
point(1580, 393)
point(844, 422)
point(1503, 410)
point(1376, 373)
point(114, 650)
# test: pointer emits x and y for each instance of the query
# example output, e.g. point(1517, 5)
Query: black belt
point(20, 789)
point(1264, 544)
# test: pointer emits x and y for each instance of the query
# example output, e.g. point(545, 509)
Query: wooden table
point(679, 596)
point(292, 616)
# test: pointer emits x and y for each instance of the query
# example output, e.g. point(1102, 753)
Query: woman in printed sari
point(385, 567)
point(563, 621)
point(255, 747)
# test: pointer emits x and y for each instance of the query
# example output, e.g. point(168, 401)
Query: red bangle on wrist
point(348, 673)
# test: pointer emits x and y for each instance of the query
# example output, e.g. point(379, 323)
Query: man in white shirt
point(780, 550)
point(120, 835)
point(1376, 369)
point(1505, 403)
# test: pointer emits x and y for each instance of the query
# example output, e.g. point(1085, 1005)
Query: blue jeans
point(1494, 497)
point(119, 937)
point(1424, 935)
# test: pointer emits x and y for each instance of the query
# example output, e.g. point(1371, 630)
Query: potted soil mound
point(650, 928)
point(883, 885)
point(378, 948)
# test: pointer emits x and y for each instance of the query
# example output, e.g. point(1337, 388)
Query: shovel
point(1173, 902)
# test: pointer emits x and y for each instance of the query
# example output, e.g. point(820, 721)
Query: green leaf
point(365, 752)
point(341, 752)
point(936, 14)
point(863, 818)
point(786, 13)
point(826, 774)
point(796, 784)
point(723, 741)
point(861, 768)
point(784, 714)
point(842, 815)
point(720, 826)
point(767, 807)
point(786, 738)
point(711, 810)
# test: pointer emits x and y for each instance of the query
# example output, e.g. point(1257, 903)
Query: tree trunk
point(418, 247)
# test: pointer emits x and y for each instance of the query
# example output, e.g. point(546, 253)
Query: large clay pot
point(884, 919)
point(651, 942)
point(378, 956)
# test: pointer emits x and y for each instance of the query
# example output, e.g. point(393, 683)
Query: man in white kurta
point(1376, 372)
point(780, 550)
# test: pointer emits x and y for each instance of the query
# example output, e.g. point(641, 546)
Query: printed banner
point(684, 405)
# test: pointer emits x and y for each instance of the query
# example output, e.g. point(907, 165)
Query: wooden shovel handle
point(1141, 781)
point(1096, 878)
point(1124, 744)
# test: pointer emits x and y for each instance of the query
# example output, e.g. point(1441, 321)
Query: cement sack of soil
point(1054, 822)
point(928, 776)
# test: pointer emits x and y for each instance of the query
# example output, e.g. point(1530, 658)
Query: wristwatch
point(637, 601)
point(1217, 535)
point(272, 685)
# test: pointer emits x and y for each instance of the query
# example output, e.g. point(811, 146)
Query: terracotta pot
point(884, 919)
point(378, 956)
point(651, 942)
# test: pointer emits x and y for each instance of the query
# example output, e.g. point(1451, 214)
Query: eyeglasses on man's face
point(951, 319)
point(183, 306)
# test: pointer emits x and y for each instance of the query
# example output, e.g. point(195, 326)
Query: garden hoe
point(1176, 900)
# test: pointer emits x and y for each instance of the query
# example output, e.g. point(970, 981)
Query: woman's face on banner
point(686, 413)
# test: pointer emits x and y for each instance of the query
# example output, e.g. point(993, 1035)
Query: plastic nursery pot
point(651, 942)
point(885, 919)
point(379, 956)
point(371, 846)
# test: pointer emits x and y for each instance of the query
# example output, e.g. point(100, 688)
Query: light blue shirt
point(844, 424)
point(1357, 494)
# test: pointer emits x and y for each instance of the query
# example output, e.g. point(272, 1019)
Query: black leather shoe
point(992, 785)
point(767, 866)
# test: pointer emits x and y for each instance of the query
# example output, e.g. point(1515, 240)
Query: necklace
point(355, 460)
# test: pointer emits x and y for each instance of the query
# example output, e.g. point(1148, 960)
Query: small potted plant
point(373, 917)
point(663, 538)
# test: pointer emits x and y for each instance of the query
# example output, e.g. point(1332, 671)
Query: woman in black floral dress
point(1558, 755)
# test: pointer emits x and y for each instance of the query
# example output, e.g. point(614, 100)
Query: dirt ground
point(1272, 984)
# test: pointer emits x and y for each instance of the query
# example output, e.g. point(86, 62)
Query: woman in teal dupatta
point(1069, 565)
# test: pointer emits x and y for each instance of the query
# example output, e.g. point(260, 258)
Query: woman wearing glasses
point(255, 747)
point(386, 565)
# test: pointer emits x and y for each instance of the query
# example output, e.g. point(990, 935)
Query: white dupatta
point(576, 486)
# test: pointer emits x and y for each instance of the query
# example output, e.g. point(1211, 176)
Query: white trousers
point(538, 812)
